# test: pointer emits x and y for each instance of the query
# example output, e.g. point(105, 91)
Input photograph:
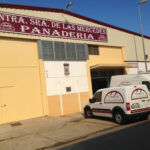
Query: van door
point(98, 107)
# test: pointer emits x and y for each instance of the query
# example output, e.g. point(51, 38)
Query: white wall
point(139, 67)
point(57, 81)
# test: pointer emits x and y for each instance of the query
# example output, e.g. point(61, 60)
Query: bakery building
point(52, 60)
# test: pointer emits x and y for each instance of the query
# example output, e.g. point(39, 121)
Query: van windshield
point(147, 83)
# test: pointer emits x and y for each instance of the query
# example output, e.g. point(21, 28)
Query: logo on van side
point(138, 94)
point(113, 97)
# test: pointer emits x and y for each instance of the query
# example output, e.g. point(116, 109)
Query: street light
point(69, 5)
point(142, 2)
point(139, 10)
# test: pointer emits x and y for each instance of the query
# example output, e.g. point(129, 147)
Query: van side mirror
point(92, 100)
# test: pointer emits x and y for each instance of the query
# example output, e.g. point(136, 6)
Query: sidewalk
point(47, 132)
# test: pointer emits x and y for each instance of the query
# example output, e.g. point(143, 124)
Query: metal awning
point(102, 66)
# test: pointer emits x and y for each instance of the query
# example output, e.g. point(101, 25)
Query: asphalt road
point(133, 138)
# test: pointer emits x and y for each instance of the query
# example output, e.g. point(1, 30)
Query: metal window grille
point(71, 51)
point(52, 50)
point(48, 50)
point(60, 50)
point(81, 51)
point(93, 50)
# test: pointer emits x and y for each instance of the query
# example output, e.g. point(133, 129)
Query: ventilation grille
point(48, 50)
point(59, 50)
point(71, 51)
point(81, 51)
point(63, 51)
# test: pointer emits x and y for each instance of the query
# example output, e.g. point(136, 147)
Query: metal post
point(139, 10)
point(137, 62)
point(69, 5)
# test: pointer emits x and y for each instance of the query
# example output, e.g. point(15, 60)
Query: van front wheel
point(119, 117)
point(88, 113)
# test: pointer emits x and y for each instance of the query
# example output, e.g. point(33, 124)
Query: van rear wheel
point(119, 117)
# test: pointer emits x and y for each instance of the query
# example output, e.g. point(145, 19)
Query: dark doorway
point(101, 78)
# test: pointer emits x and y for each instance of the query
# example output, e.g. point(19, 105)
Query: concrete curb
point(48, 133)
point(90, 135)
point(75, 139)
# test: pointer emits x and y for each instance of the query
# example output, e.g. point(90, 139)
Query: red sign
point(41, 27)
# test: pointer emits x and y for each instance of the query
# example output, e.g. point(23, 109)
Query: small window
point(66, 69)
point(98, 96)
point(93, 49)
point(68, 89)
point(147, 84)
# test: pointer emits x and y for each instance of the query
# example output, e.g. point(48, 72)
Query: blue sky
point(121, 13)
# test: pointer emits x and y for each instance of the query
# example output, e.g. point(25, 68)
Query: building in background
point(52, 60)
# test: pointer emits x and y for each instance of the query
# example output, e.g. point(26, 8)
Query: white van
point(119, 103)
point(133, 79)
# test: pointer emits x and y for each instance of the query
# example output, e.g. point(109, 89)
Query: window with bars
point(60, 50)
point(71, 51)
point(93, 49)
point(48, 50)
point(52, 50)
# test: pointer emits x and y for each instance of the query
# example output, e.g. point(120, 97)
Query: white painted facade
point(57, 81)
point(137, 67)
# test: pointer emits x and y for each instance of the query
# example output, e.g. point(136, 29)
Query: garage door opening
point(101, 78)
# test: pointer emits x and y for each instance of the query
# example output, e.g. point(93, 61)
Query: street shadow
point(128, 121)
point(103, 118)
